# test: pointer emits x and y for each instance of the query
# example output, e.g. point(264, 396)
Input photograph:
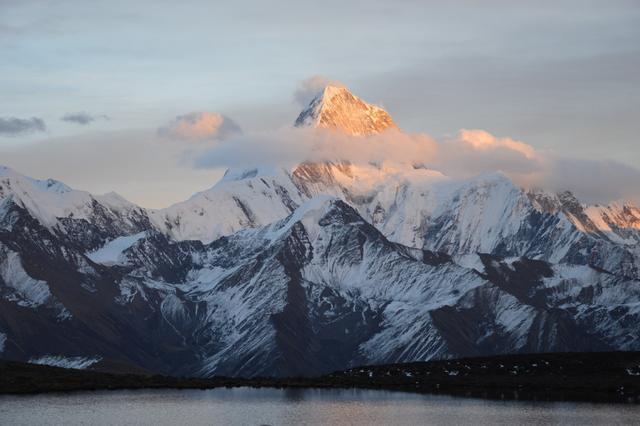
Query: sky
point(99, 94)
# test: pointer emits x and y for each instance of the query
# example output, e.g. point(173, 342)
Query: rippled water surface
point(244, 406)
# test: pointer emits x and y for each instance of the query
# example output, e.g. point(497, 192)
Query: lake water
point(245, 406)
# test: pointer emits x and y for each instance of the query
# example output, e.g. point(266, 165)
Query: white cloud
point(134, 163)
point(308, 88)
point(592, 181)
point(156, 172)
point(470, 153)
point(199, 127)
point(292, 145)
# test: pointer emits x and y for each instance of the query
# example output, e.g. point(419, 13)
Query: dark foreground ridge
point(600, 377)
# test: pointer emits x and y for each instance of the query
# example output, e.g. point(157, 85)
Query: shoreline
point(607, 377)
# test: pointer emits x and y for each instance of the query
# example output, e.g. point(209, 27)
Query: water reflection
point(244, 406)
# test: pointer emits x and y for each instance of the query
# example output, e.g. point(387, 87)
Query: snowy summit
point(337, 108)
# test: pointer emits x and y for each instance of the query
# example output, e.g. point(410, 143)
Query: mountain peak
point(335, 107)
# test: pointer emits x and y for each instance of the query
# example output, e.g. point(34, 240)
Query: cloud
point(592, 181)
point(82, 118)
point(473, 152)
point(12, 126)
point(131, 162)
point(482, 140)
point(291, 145)
point(199, 127)
point(176, 171)
point(468, 154)
point(307, 89)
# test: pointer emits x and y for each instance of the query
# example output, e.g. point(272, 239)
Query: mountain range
point(312, 268)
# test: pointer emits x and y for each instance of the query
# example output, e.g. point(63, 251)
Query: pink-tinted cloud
point(473, 152)
point(470, 153)
point(292, 145)
point(200, 126)
point(592, 181)
point(482, 140)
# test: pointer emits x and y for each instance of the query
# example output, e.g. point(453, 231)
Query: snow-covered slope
point(48, 200)
point(320, 290)
point(112, 252)
point(422, 208)
point(248, 200)
point(619, 221)
point(86, 219)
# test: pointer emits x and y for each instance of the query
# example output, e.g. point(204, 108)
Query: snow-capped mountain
point(423, 209)
point(338, 109)
point(85, 219)
point(313, 268)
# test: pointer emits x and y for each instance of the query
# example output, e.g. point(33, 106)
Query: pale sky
point(84, 85)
